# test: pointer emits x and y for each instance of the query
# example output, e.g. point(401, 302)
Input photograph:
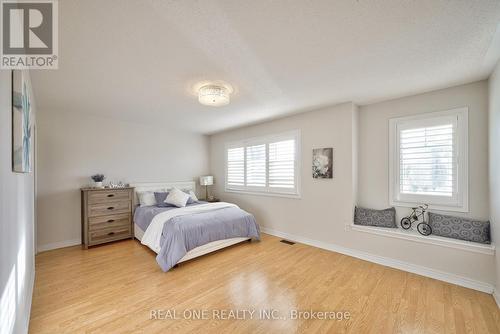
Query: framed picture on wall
point(322, 164)
point(22, 123)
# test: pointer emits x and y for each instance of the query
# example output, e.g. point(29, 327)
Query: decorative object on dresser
point(106, 215)
point(119, 184)
point(98, 178)
point(206, 181)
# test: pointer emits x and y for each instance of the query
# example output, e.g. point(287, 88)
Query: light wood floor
point(113, 288)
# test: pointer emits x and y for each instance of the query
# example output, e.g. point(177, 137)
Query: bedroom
point(291, 137)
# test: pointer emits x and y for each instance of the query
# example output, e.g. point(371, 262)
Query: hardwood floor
point(115, 287)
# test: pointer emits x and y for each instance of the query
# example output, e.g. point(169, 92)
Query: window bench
point(413, 235)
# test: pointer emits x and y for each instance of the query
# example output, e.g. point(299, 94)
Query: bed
point(177, 235)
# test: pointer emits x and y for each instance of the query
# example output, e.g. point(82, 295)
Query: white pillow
point(177, 197)
point(193, 196)
point(146, 198)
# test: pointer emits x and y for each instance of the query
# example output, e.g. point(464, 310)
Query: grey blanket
point(184, 233)
point(143, 215)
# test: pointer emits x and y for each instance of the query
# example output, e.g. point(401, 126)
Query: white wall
point(494, 170)
point(374, 142)
point(373, 189)
point(326, 205)
point(71, 147)
point(17, 270)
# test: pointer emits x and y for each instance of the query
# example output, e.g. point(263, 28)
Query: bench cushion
point(460, 228)
point(379, 218)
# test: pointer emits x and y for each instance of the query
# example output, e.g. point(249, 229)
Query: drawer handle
point(111, 208)
point(111, 195)
point(111, 233)
point(110, 220)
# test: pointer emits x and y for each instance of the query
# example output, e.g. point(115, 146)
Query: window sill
point(258, 193)
point(413, 235)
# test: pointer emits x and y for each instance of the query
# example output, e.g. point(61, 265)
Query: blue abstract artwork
point(22, 123)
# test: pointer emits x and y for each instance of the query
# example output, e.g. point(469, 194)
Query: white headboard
point(161, 186)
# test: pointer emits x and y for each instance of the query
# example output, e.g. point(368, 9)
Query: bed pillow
point(378, 218)
point(460, 228)
point(177, 197)
point(161, 196)
point(160, 199)
point(190, 200)
point(146, 198)
point(192, 197)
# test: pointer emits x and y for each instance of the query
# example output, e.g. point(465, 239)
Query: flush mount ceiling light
point(214, 95)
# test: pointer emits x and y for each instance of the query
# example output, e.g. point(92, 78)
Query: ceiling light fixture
point(214, 95)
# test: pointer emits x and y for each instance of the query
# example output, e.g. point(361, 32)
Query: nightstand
point(212, 200)
point(106, 215)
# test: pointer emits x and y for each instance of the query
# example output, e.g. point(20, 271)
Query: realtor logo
point(29, 34)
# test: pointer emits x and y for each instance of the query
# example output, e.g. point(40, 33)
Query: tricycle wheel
point(424, 229)
point(406, 223)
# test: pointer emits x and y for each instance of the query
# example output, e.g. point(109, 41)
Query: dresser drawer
point(104, 209)
point(109, 234)
point(111, 221)
point(105, 196)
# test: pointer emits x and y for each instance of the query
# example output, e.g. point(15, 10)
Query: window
point(266, 165)
point(428, 160)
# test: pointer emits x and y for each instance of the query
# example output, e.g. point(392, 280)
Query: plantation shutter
point(282, 164)
point(428, 159)
point(236, 166)
point(256, 166)
point(264, 165)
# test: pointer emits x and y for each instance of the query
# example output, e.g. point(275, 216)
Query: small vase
point(98, 185)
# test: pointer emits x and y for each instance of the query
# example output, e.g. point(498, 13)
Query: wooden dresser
point(106, 215)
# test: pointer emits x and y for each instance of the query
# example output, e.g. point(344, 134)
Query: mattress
point(198, 251)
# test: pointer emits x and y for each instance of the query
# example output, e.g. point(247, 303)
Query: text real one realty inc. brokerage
point(247, 314)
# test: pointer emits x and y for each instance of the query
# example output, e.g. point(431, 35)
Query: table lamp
point(206, 181)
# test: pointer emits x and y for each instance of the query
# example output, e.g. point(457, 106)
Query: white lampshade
point(213, 95)
point(206, 180)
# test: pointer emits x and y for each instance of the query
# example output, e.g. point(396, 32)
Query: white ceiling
point(137, 60)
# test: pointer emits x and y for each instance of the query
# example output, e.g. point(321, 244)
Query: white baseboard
point(389, 262)
point(496, 296)
point(29, 295)
point(59, 244)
